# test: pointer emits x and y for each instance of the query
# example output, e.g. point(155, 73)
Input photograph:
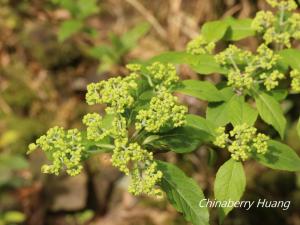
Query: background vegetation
point(50, 51)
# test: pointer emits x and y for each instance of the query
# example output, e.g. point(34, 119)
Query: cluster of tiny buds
point(295, 75)
point(243, 67)
point(288, 5)
point(162, 76)
point(242, 141)
point(119, 95)
point(200, 46)
point(163, 111)
point(278, 29)
point(139, 165)
point(64, 148)
point(115, 92)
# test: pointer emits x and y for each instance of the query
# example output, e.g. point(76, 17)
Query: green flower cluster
point(200, 46)
point(295, 75)
point(281, 28)
point(125, 125)
point(242, 141)
point(161, 76)
point(138, 163)
point(245, 68)
point(64, 148)
point(163, 111)
point(271, 80)
point(288, 5)
point(115, 92)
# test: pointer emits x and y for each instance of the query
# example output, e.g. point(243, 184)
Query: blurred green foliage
point(11, 218)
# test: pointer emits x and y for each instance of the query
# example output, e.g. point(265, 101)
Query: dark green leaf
point(183, 193)
point(240, 112)
point(203, 64)
point(220, 113)
point(201, 124)
point(206, 64)
point(270, 111)
point(214, 30)
point(187, 138)
point(230, 184)
point(291, 57)
point(279, 156)
point(68, 28)
point(130, 38)
point(203, 90)
point(279, 94)
point(238, 29)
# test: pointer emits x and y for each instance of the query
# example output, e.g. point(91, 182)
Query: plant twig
point(149, 17)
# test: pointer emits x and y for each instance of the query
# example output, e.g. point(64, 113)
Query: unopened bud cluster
point(245, 69)
point(280, 28)
point(64, 149)
point(242, 141)
point(295, 75)
point(121, 95)
point(163, 111)
point(200, 46)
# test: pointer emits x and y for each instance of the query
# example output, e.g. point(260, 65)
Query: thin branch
point(149, 17)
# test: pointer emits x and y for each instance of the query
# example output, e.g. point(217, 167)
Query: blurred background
point(49, 51)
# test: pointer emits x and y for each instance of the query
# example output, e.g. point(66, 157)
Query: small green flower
point(271, 35)
point(263, 21)
point(163, 111)
point(272, 80)
point(162, 76)
point(242, 141)
point(144, 178)
point(288, 5)
point(200, 46)
point(64, 148)
point(265, 58)
point(294, 23)
point(295, 75)
point(221, 137)
point(238, 80)
point(115, 92)
point(139, 165)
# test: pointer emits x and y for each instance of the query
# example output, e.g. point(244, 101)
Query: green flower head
point(200, 46)
point(242, 141)
point(163, 111)
point(64, 148)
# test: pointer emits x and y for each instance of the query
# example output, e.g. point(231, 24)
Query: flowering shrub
point(144, 117)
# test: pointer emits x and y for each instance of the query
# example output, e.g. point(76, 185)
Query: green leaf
point(130, 38)
point(206, 64)
point(13, 162)
point(230, 184)
point(220, 113)
point(187, 138)
point(14, 217)
point(291, 57)
point(203, 64)
point(87, 8)
point(279, 156)
point(279, 94)
point(183, 193)
point(298, 127)
point(238, 29)
point(68, 28)
point(240, 112)
point(214, 30)
point(203, 90)
point(270, 111)
point(202, 125)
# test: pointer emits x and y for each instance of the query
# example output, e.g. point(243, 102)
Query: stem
point(234, 64)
